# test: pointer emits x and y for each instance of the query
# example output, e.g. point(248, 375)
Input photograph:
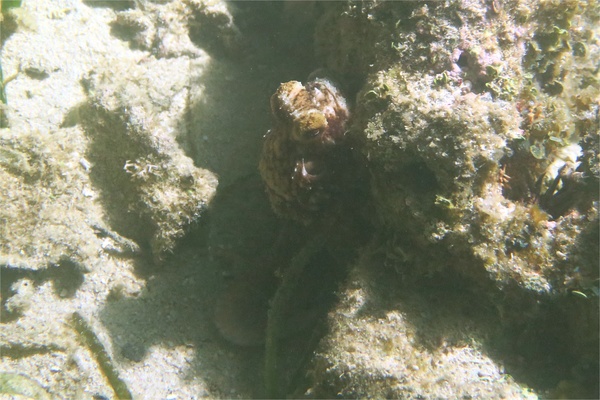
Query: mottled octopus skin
point(301, 157)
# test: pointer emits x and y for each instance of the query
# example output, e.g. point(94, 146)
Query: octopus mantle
point(303, 154)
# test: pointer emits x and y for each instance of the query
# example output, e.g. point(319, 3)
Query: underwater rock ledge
point(478, 124)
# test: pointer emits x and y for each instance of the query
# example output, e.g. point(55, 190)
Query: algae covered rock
point(43, 179)
point(460, 158)
point(478, 124)
point(134, 126)
point(93, 167)
point(413, 340)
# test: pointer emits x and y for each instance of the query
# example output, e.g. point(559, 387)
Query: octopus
point(306, 168)
point(303, 154)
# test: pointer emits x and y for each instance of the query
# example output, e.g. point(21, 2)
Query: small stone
point(133, 351)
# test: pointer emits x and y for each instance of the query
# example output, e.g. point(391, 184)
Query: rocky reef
point(136, 156)
point(435, 228)
point(479, 127)
point(95, 172)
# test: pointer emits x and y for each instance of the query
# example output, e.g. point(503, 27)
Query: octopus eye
point(311, 134)
point(305, 135)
